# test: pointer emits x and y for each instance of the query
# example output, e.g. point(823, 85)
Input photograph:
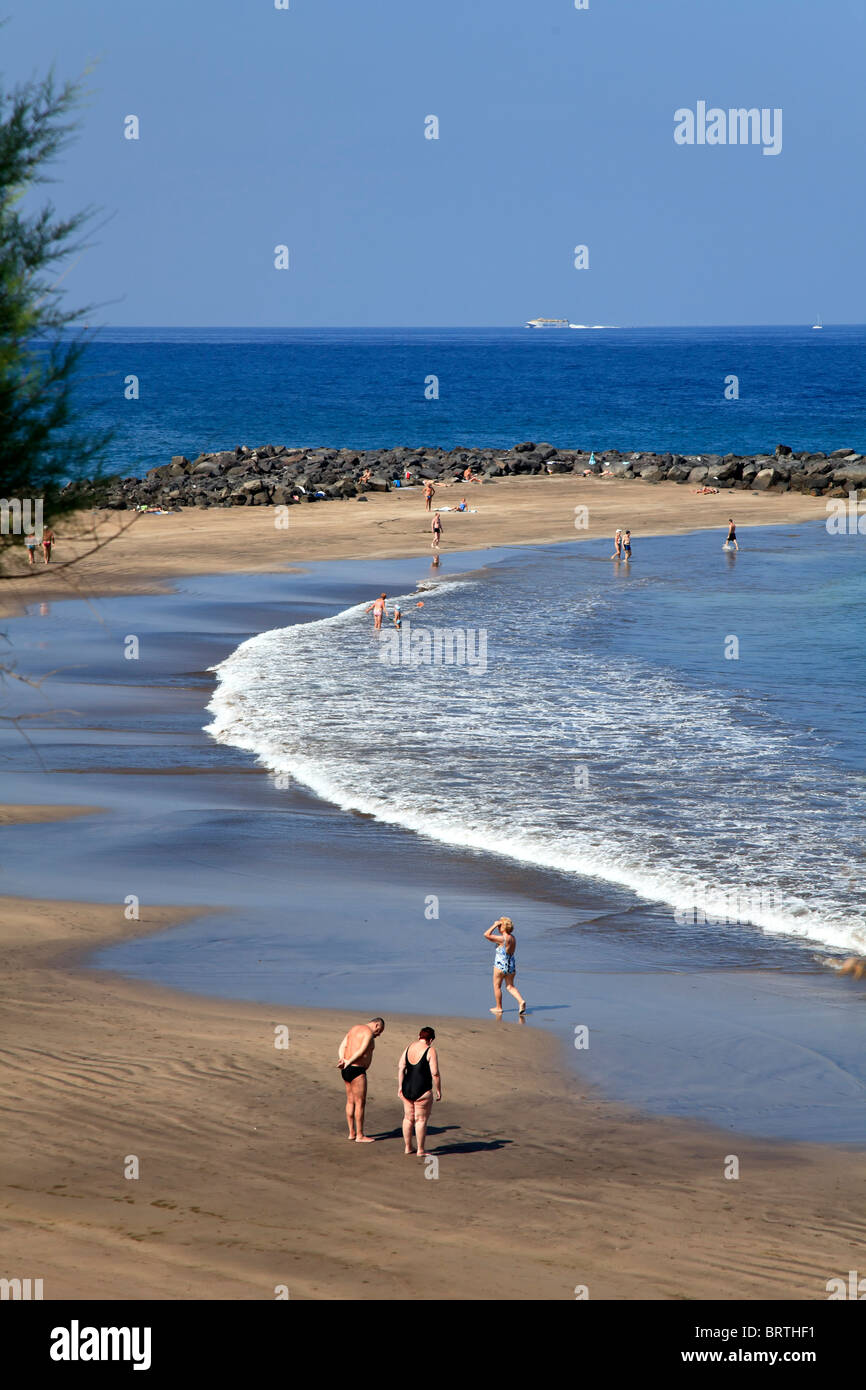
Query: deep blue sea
point(619, 388)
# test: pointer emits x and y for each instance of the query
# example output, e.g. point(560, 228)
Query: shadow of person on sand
point(471, 1146)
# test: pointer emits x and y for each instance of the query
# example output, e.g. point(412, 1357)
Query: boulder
point(851, 474)
point(652, 474)
point(765, 478)
point(699, 473)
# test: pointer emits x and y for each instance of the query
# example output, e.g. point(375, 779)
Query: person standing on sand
point(731, 538)
point(31, 544)
point(48, 539)
point(504, 964)
point(379, 609)
point(436, 528)
point(356, 1054)
point(417, 1080)
point(429, 494)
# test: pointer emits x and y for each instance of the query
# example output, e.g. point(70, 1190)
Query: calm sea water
point(654, 389)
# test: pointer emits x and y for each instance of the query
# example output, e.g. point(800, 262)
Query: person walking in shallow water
point(417, 1081)
point(731, 538)
point(379, 609)
point(504, 964)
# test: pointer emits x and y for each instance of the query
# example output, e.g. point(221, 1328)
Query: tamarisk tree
point(43, 442)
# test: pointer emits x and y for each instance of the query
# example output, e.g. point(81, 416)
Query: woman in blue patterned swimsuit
point(504, 966)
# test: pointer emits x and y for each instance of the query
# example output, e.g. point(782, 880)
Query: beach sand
point(247, 1181)
point(150, 550)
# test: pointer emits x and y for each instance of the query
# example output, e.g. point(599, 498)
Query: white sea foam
point(490, 765)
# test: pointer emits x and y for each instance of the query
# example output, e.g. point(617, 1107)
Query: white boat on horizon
point(819, 324)
point(547, 323)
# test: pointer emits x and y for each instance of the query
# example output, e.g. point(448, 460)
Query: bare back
point(357, 1037)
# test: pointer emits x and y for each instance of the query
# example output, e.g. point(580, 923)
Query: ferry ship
point(547, 323)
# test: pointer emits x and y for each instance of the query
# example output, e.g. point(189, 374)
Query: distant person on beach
point(429, 494)
point(462, 506)
point(379, 609)
point(626, 545)
point(617, 545)
point(31, 544)
point(504, 964)
point(48, 539)
point(436, 528)
point(356, 1054)
point(731, 538)
point(417, 1080)
point(469, 476)
point(436, 559)
point(398, 615)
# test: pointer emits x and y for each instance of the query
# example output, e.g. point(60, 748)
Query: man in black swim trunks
point(356, 1054)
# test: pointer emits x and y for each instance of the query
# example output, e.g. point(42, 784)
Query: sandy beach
point(147, 551)
point(247, 1181)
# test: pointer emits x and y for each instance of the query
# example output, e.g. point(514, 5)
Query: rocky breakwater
point(278, 476)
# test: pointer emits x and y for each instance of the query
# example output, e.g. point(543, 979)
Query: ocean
point(687, 727)
point(659, 389)
point(657, 769)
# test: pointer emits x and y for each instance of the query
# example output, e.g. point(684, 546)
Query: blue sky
point(305, 127)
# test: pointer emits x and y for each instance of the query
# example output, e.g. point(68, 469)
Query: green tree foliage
point(43, 445)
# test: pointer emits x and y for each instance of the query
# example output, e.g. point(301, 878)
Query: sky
point(305, 128)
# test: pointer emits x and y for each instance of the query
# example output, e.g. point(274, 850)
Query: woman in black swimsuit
point(417, 1079)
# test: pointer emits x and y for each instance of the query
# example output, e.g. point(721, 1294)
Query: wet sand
point(247, 1181)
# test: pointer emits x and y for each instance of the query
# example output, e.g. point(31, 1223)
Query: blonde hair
point(507, 923)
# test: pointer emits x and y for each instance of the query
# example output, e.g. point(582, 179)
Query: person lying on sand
point(703, 491)
point(417, 1080)
point(504, 964)
point(355, 1056)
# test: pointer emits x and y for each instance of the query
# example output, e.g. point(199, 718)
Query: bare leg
point(350, 1110)
point(497, 991)
point(515, 992)
point(422, 1117)
point(359, 1086)
point(408, 1125)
